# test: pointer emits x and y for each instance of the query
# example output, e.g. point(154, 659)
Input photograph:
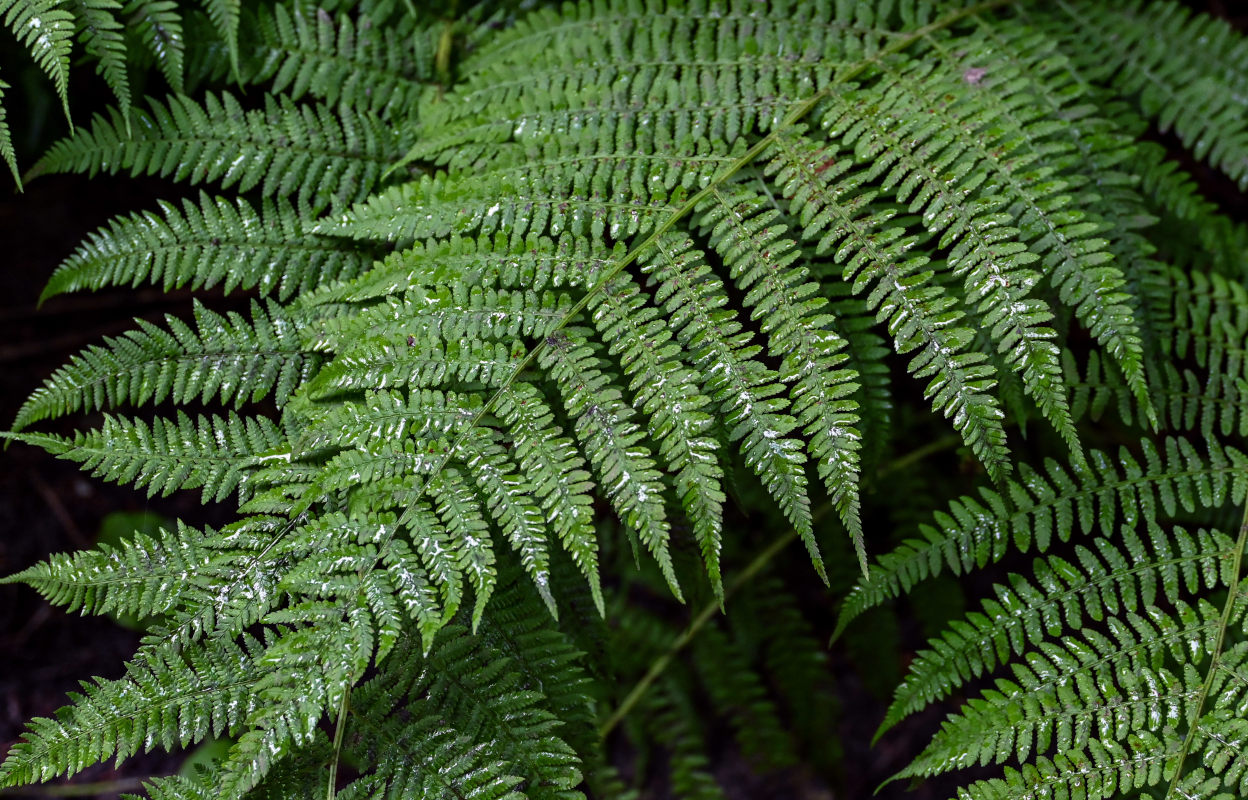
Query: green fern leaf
point(166, 699)
point(158, 26)
point(104, 40)
point(216, 242)
point(318, 156)
point(225, 356)
point(339, 58)
point(212, 453)
point(976, 532)
point(47, 32)
point(225, 15)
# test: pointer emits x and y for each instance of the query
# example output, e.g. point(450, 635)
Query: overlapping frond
point(351, 59)
point(1186, 71)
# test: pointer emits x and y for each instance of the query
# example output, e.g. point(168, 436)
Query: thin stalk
point(1215, 655)
point(332, 787)
point(756, 565)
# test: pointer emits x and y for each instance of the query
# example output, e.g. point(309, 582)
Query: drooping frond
point(317, 155)
point(46, 30)
point(225, 16)
point(789, 310)
point(919, 314)
point(104, 39)
point(158, 26)
point(6, 139)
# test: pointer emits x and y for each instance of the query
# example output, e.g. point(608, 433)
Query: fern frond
point(210, 453)
point(47, 32)
point(165, 699)
point(1189, 79)
point(452, 313)
point(225, 15)
point(557, 473)
point(1104, 580)
point(1030, 511)
point(214, 242)
point(622, 463)
point(320, 157)
point(6, 140)
point(227, 356)
point(383, 362)
point(664, 390)
point(746, 231)
point(158, 26)
point(536, 263)
point(144, 576)
point(919, 314)
point(104, 39)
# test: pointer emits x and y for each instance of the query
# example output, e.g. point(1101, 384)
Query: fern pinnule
point(213, 454)
point(920, 315)
point(1031, 510)
point(202, 245)
point(225, 356)
point(664, 390)
point(319, 156)
point(745, 230)
point(619, 457)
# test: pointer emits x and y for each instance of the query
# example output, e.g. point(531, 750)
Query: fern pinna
point(545, 295)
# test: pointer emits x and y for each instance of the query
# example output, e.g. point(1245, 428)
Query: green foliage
point(558, 305)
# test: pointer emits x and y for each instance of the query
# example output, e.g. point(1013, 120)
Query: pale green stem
point(1215, 655)
point(743, 577)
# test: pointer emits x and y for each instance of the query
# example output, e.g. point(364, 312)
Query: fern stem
point(339, 729)
point(1215, 655)
point(743, 577)
point(704, 616)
